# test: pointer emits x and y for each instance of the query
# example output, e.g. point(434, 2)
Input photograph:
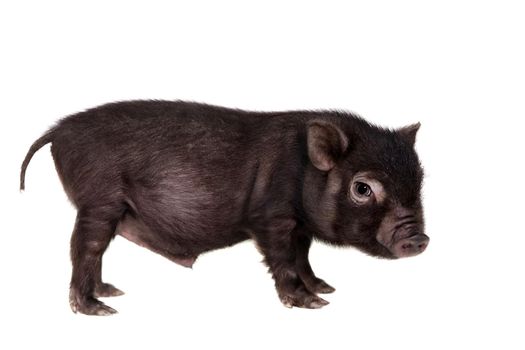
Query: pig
point(183, 178)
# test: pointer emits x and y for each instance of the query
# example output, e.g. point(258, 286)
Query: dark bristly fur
point(184, 178)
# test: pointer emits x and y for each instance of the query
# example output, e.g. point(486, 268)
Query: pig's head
point(362, 187)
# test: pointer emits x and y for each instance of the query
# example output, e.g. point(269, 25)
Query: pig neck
point(320, 194)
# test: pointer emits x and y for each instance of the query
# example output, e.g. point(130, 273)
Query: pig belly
point(136, 232)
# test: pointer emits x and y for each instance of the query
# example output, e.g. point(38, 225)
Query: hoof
point(89, 306)
point(303, 299)
point(320, 287)
point(106, 290)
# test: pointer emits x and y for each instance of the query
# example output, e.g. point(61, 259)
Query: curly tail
point(41, 142)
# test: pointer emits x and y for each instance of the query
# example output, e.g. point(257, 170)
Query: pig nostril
point(413, 245)
point(407, 246)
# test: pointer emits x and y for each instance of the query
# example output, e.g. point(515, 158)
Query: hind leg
point(104, 290)
point(93, 231)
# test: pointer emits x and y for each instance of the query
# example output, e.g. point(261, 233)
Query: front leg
point(313, 283)
point(277, 243)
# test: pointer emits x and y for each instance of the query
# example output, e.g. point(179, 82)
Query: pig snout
point(410, 246)
point(401, 232)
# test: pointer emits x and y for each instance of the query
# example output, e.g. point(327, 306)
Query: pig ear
point(409, 132)
point(326, 143)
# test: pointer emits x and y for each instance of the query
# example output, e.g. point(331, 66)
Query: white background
point(456, 66)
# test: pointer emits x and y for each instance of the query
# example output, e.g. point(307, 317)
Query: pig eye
point(363, 189)
point(362, 193)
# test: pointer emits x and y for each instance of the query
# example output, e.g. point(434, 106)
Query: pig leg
point(104, 290)
point(93, 231)
point(277, 244)
point(314, 284)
